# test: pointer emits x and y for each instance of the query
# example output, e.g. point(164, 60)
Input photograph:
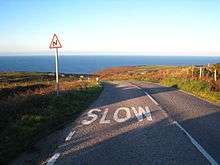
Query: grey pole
point(57, 72)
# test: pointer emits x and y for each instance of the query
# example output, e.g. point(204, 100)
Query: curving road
point(143, 123)
point(134, 122)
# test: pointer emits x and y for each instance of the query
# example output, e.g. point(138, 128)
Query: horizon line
point(69, 53)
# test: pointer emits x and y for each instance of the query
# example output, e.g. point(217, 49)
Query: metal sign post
point(55, 43)
point(57, 72)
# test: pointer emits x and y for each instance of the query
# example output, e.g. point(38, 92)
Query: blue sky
point(169, 27)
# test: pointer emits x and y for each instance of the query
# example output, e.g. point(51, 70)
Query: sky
point(161, 27)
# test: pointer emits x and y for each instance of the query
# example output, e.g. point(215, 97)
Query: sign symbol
point(54, 43)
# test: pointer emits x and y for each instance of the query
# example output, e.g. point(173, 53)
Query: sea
point(87, 64)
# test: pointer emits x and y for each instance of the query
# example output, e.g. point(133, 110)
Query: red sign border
point(57, 41)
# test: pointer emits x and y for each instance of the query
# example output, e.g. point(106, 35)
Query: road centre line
point(197, 145)
point(53, 159)
point(70, 135)
point(138, 87)
point(152, 99)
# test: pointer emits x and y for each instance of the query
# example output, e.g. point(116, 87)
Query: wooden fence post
point(200, 72)
point(215, 75)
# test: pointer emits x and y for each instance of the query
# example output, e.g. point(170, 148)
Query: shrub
point(25, 119)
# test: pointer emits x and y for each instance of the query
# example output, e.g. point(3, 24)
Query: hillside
point(186, 78)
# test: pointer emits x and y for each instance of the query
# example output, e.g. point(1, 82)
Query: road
point(135, 122)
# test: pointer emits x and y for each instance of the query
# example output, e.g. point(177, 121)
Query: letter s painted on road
point(91, 114)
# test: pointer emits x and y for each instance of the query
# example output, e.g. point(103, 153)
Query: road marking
point(103, 118)
point(148, 114)
point(70, 135)
point(91, 114)
point(138, 87)
point(141, 113)
point(198, 146)
point(152, 99)
point(53, 159)
point(122, 119)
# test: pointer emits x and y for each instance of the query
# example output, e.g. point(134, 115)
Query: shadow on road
point(113, 93)
point(159, 143)
point(155, 90)
point(154, 144)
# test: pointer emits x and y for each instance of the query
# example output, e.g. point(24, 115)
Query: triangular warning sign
point(55, 43)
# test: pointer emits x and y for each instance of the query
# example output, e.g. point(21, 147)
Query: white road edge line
point(53, 159)
point(152, 99)
point(70, 135)
point(198, 146)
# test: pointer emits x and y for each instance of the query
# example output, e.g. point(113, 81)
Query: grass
point(197, 87)
point(28, 116)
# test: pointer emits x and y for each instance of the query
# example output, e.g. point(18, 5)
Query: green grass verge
point(154, 80)
point(25, 120)
point(198, 88)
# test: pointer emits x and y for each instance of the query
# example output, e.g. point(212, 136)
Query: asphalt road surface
point(135, 122)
